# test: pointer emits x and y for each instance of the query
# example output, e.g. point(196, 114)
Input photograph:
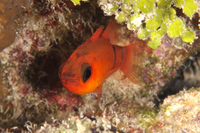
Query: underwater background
point(37, 36)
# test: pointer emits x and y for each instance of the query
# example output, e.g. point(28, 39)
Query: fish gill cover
point(32, 98)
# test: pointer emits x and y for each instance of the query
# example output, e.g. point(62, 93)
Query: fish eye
point(87, 71)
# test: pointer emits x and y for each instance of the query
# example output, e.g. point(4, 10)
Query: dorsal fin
point(112, 32)
point(97, 33)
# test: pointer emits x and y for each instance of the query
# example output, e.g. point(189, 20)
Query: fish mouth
point(70, 81)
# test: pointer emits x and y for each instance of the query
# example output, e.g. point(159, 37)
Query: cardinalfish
point(97, 58)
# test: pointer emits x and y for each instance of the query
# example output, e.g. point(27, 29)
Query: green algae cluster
point(77, 2)
point(153, 18)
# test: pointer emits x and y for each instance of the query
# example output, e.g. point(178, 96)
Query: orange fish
point(96, 59)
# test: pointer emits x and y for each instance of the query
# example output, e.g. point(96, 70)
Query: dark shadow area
point(187, 76)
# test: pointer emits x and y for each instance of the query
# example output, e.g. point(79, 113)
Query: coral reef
point(181, 115)
point(29, 67)
point(177, 116)
point(33, 99)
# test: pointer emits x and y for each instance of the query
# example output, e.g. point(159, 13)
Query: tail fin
point(134, 59)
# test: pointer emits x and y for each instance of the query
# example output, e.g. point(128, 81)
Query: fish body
point(97, 58)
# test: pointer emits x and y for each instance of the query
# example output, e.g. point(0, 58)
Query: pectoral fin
point(98, 90)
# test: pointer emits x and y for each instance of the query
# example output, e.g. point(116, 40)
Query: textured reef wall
point(48, 31)
point(9, 13)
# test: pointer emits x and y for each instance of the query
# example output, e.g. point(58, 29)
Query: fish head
point(81, 73)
